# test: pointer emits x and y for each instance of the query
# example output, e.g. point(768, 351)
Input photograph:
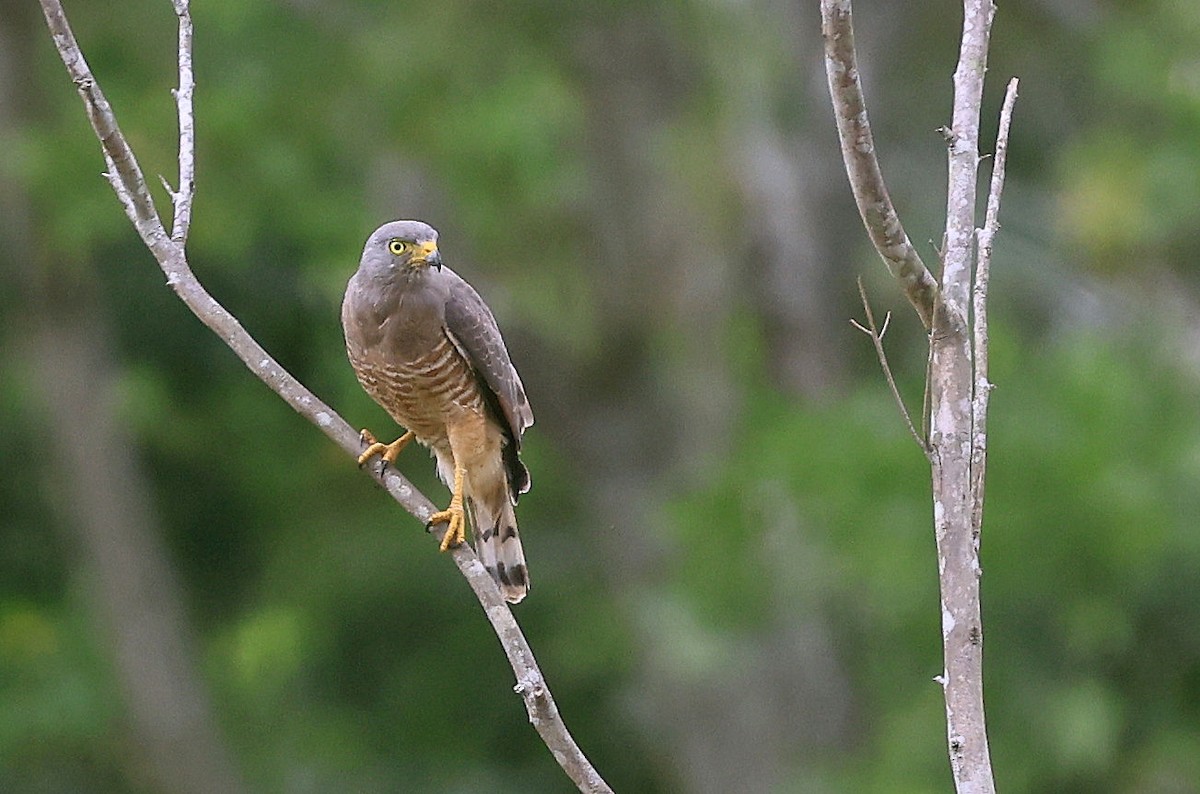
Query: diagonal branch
point(124, 172)
point(858, 151)
point(130, 186)
point(983, 263)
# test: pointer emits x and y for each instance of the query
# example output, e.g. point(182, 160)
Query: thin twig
point(983, 262)
point(877, 340)
point(858, 151)
point(126, 176)
point(182, 198)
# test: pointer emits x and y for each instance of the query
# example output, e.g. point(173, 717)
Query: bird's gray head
point(401, 246)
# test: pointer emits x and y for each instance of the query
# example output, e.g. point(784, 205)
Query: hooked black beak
point(427, 252)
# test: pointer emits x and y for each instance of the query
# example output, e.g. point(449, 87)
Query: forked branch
point(957, 392)
point(128, 182)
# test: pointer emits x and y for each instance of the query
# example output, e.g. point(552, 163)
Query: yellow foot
point(456, 531)
point(389, 452)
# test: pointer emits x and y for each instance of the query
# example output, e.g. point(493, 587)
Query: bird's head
point(403, 246)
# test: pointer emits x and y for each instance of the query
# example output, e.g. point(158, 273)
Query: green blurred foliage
point(1129, 194)
point(342, 654)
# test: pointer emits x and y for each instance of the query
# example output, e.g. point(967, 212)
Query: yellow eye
point(399, 247)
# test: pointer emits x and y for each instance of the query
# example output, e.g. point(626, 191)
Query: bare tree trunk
point(952, 420)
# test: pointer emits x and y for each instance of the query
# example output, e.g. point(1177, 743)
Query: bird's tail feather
point(499, 546)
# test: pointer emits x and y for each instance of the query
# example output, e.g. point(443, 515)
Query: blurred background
point(734, 580)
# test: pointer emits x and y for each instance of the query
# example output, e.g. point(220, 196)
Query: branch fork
point(954, 311)
point(876, 335)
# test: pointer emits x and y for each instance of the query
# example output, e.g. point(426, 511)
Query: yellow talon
point(456, 532)
point(389, 452)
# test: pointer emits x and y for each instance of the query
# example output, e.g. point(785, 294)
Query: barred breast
point(421, 394)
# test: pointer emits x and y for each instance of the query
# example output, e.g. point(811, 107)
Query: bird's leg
point(453, 514)
point(389, 452)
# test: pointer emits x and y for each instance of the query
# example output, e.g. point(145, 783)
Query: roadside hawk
point(426, 347)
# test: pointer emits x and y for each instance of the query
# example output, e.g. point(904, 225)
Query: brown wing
point(473, 330)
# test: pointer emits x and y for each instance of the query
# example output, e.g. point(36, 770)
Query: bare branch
point(951, 425)
point(126, 177)
point(983, 262)
point(963, 152)
point(877, 340)
point(182, 199)
point(862, 166)
point(123, 169)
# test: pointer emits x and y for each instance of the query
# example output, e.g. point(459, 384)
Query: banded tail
point(499, 546)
